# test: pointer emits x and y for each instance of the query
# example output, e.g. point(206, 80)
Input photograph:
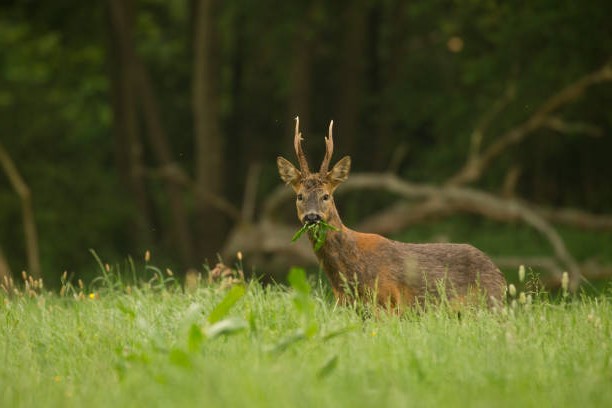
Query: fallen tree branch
point(403, 214)
point(576, 218)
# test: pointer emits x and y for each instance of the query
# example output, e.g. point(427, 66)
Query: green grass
point(151, 344)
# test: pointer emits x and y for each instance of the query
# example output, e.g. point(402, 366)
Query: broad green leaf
point(311, 329)
point(288, 341)
point(329, 366)
point(339, 332)
point(300, 232)
point(180, 358)
point(298, 281)
point(223, 308)
point(195, 338)
point(318, 231)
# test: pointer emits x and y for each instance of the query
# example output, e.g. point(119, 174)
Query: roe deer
point(396, 273)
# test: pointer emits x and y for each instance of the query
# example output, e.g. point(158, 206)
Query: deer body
point(363, 264)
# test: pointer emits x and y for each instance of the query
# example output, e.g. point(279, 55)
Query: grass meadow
point(121, 344)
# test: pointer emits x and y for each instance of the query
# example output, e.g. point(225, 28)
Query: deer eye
point(300, 197)
point(325, 197)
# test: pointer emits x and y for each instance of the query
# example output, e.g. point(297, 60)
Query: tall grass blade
point(227, 326)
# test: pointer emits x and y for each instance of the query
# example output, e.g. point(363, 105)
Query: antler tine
point(297, 142)
point(329, 150)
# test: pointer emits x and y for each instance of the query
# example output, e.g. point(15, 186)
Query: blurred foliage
point(429, 72)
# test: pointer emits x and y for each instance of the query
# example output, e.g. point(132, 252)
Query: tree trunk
point(128, 145)
point(350, 87)
point(300, 84)
point(29, 223)
point(151, 114)
point(209, 174)
point(300, 74)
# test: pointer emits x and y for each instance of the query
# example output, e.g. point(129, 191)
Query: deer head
point(314, 191)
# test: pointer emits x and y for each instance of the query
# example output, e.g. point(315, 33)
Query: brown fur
point(396, 273)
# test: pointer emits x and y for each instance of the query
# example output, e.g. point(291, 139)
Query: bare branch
point(485, 121)
point(559, 125)
point(175, 175)
point(476, 164)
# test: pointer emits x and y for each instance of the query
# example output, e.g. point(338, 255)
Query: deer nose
point(311, 218)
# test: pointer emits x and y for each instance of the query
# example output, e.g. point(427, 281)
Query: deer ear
point(288, 173)
point(340, 171)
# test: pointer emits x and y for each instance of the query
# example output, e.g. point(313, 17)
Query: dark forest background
point(130, 125)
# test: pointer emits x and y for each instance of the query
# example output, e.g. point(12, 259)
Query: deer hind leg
point(394, 296)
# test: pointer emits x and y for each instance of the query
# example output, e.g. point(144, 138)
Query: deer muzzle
point(311, 218)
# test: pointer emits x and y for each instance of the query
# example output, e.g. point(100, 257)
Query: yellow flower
point(92, 295)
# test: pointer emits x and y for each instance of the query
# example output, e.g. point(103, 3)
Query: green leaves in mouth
point(317, 230)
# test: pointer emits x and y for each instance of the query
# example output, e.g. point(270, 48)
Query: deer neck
point(338, 251)
point(334, 236)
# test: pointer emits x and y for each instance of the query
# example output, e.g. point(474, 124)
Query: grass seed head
point(565, 282)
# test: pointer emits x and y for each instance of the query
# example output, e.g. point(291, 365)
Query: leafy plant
point(318, 231)
point(310, 328)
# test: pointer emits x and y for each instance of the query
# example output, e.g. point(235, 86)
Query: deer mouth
point(312, 218)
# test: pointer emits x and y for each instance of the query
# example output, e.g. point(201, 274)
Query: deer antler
point(297, 142)
point(329, 150)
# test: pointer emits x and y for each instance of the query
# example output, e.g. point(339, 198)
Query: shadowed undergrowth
point(150, 343)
